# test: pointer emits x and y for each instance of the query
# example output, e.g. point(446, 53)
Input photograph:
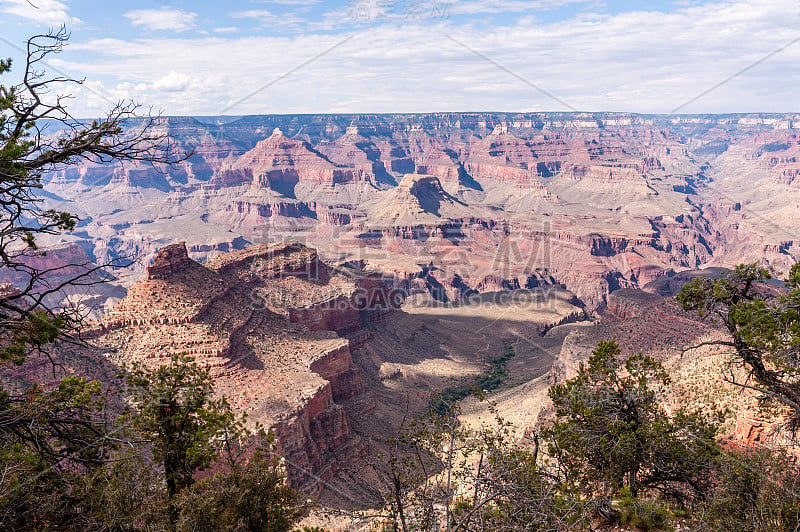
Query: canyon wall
point(268, 353)
point(464, 202)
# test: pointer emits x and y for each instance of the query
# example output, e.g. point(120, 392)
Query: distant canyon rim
point(455, 204)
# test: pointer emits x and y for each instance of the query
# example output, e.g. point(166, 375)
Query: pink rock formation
point(622, 198)
point(60, 262)
point(169, 260)
point(280, 163)
point(260, 319)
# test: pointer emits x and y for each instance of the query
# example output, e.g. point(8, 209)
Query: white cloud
point(46, 12)
point(254, 13)
point(292, 2)
point(637, 61)
point(172, 82)
point(275, 22)
point(474, 7)
point(162, 19)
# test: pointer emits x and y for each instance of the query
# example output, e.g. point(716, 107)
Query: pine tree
point(612, 433)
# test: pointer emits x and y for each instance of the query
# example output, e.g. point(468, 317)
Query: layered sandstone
point(280, 163)
point(624, 198)
point(65, 276)
point(640, 323)
point(269, 354)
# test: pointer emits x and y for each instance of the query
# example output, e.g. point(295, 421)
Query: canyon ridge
point(456, 204)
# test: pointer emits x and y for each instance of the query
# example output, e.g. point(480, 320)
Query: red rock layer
point(261, 319)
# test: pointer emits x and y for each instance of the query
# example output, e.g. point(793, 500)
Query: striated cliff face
point(250, 316)
point(463, 202)
point(418, 200)
point(312, 439)
point(49, 270)
point(280, 163)
point(62, 262)
point(349, 313)
point(170, 260)
point(626, 304)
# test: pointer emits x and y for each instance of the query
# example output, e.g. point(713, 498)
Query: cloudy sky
point(293, 56)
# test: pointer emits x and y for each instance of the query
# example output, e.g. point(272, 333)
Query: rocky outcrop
point(339, 314)
point(417, 200)
point(337, 368)
point(351, 312)
point(270, 322)
point(313, 441)
point(754, 427)
point(170, 260)
point(59, 262)
point(8, 290)
point(626, 304)
point(280, 163)
point(640, 323)
point(66, 276)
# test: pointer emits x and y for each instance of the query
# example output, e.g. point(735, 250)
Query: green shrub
point(492, 380)
point(647, 514)
point(757, 490)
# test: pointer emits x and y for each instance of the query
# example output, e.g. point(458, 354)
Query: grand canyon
point(458, 204)
point(397, 266)
point(335, 271)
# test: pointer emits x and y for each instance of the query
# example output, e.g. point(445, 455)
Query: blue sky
point(291, 56)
